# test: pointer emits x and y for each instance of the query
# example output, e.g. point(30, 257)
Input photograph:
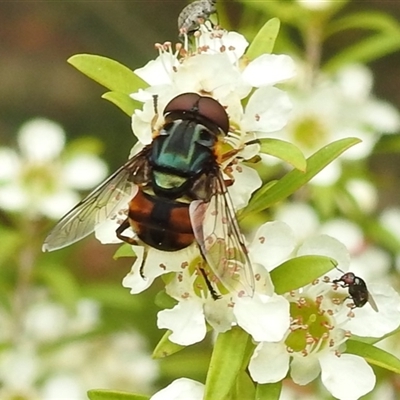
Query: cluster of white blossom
point(55, 353)
point(303, 332)
point(38, 180)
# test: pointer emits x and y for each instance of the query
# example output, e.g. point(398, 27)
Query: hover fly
point(194, 14)
point(175, 194)
point(358, 290)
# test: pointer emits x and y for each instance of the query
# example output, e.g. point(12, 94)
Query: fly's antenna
point(339, 269)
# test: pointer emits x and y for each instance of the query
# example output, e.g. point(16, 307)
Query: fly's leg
point(212, 291)
point(123, 227)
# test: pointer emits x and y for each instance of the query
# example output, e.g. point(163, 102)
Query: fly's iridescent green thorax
point(183, 150)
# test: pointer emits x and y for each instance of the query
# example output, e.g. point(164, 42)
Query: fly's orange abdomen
point(161, 223)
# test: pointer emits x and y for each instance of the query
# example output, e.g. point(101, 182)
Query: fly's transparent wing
point(102, 203)
point(372, 302)
point(222, 244)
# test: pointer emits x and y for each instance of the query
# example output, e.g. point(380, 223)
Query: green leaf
point(378, 232)
point(165, 347)
point(163, 300)
point(300, 271)
point(99, 394)
point(123, 101)
point(226, 362)
point(388, 144)
point(364, 51)
point(285, 151)
point(269, 391)
point(371, 20)
point(124, 251)
point(374, 340)
point(373, 355)
point(295, 179)
point(244, 388)
point(264, 41)
point(107, 72)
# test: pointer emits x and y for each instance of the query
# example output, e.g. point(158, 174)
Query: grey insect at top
point(192, 15)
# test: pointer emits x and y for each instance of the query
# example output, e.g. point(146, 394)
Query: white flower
point(265, 316)
point(312, 347)
point(181, 389)
point(335, 108)
point(214, 69)
point(36, 180)
point(315, 5)
point(320, 319)
point(76, 359)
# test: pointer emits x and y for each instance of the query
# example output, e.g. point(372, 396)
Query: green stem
point(229, 356)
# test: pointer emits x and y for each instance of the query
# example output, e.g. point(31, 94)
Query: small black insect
point(358, 290)
point(195, 14)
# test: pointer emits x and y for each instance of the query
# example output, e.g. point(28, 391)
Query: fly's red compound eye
point(206, 107)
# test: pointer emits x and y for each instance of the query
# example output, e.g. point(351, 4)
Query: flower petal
point(324, 245)
point(134, 280)
point(301, 217)
point(210, 73)
point(84, 171)
point(185, 320)
point(304, 370)
point(265, 318)
point(345, 231)
point(233, 44)
point(10, 164)
point(269, 69)
point(368, 322)
point(158, 71)
point(347, 377)
point(267, 111)
point(57, 204)
point(272, 244)
point(219, 314)
point(329, 175)
point(32, 136)
point(181, 389)
point(269, 363)
point(247, 180)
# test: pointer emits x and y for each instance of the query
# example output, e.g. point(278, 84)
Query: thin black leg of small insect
point(212, 291)
point(123, 227)
point(254, 141)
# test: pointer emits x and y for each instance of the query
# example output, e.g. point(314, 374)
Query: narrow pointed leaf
point(369, 20)
point(300, 271)
point(226, 362)
point(264, 41)
point(123, 101)
point(124, 251)
point(295, 179)
point(285, 151)
point(165, 347)
point(107, 72)
point(244, 388)
point(374, 355)
point(99, 394)
point(367, 50)
point(269, 391)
